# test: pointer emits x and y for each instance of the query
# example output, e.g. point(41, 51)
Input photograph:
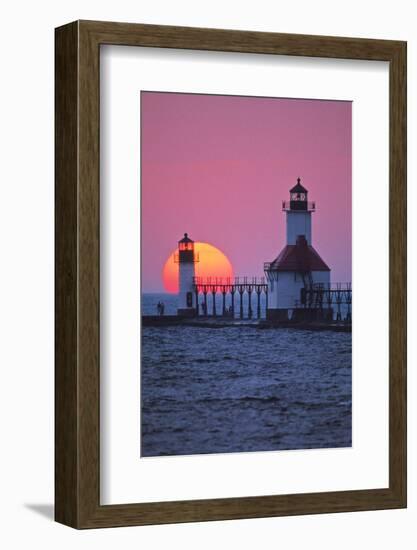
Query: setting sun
point(212, 263)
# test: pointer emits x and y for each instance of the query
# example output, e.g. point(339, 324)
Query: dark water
point(240, 389)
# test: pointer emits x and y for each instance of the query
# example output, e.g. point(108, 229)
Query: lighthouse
point(186, 259)
point(298, 266)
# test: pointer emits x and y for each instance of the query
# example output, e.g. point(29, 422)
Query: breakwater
point(219, 322)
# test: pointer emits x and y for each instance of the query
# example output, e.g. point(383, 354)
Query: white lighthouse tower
point(186, 258)
point(298, 266)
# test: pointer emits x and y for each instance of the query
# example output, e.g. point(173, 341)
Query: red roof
point(298, 257)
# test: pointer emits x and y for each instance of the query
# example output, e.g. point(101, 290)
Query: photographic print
point(246, 253)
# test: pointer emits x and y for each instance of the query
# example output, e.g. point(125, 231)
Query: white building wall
point(285, 292)
point(298, 223)
point(186, 276)
point(321, 277)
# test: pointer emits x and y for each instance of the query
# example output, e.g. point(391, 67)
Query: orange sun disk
point(212, 263)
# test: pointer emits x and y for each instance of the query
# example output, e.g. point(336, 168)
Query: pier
point(319, 307)
point(158, 321)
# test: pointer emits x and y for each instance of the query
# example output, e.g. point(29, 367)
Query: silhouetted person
point(162, 308)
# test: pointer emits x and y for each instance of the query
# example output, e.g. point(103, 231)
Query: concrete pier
point(220, 322)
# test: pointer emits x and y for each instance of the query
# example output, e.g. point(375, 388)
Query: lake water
point(240, 389)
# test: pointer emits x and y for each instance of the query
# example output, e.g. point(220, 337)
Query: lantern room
point(185, 252)
point(186, 243)
point(298, 199)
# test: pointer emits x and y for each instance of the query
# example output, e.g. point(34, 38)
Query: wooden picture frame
point(77, 405)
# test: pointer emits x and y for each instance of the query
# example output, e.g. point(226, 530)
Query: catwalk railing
point(243, 287)
point(247, 297)
point(327, 296)
point(298, 205)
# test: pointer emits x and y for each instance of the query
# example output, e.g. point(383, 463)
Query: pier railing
point(247, 297)
point(228, 281)
point(243, 287)
point(327, 296)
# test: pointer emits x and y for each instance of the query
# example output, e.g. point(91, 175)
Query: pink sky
point(218, 168)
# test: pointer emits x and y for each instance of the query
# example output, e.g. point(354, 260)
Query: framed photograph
point(230, 274)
